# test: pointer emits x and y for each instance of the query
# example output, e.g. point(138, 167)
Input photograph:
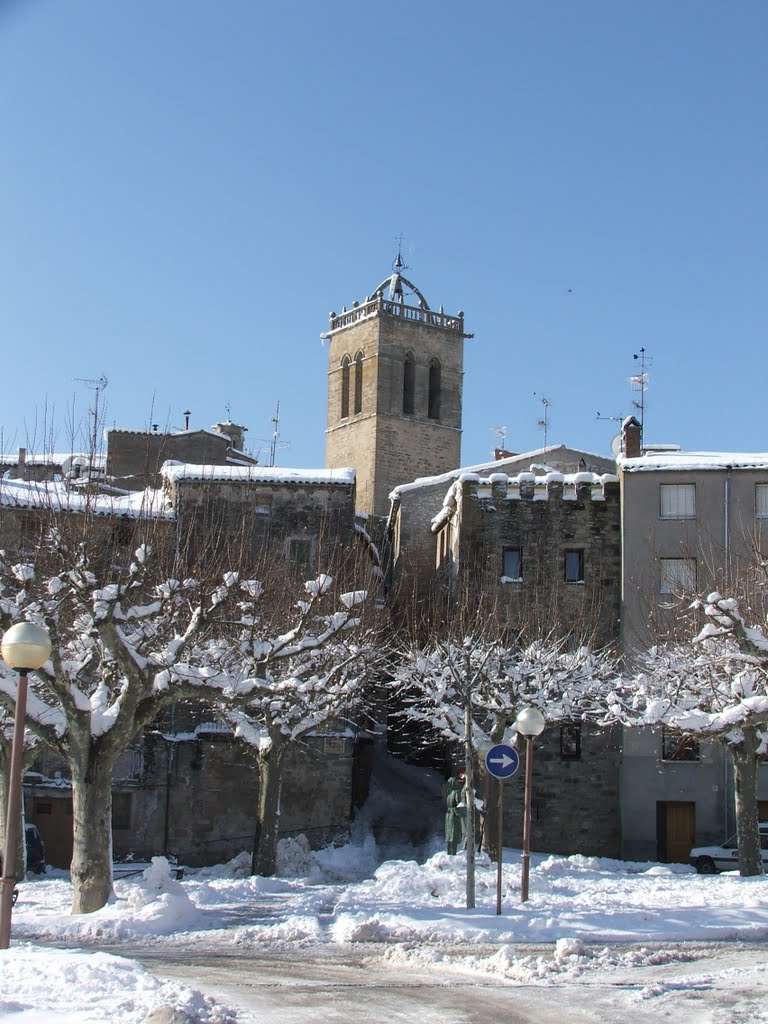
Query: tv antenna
point(275, 444)
point(275, 435)
point(639, 382)
point(99, 386)
point(611, 419)
point(543, 423)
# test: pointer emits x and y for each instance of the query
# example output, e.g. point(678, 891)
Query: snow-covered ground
point(588, 909)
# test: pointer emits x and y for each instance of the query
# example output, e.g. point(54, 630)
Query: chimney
point(501, 453)
point(22, 468)
point(631, 438)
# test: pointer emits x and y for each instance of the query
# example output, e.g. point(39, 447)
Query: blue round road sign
point(502, 761)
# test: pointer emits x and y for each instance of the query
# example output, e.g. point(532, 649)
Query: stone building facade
point(412, 544)
point(394, 391)
point(547, 545)
point(135, 457)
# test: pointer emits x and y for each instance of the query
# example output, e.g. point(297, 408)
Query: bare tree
point(467, 682)
point(131, 635)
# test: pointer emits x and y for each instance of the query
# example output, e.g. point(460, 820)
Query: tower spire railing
point(379, 306)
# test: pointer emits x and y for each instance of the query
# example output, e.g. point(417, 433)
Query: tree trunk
point(469, 798)
point(264, 860)
point(744, 757)
point(91, 835)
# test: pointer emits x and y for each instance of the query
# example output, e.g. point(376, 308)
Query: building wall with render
point(722, 538)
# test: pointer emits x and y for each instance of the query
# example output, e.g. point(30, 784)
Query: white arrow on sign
point(504, 760)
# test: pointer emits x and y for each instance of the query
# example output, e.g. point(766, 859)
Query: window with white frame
point(678, 501)
point(761, 501)
point(677, 576)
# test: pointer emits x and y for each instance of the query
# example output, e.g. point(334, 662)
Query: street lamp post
point(25, 647)
point(529, 723)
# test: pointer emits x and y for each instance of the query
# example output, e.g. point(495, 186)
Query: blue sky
point(187, 188)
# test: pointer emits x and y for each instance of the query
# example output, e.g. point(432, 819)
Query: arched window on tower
point(433, 407)
point(359, 382)
point(409, 385)
point(345, 387)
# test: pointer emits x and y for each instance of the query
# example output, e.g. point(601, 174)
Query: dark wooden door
point(676, 830)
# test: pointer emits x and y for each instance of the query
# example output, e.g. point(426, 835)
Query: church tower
point(394, 390)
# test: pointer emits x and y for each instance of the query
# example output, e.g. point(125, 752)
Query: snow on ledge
point(175, 472)
point(693, 461)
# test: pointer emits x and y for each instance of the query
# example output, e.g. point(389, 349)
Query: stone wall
point(575, 802)
point(134, 457)
point(198, 797)
point(543, 522)
point(382, 443)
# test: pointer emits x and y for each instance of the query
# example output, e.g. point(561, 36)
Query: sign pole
point(501, 761)
point(500, 845)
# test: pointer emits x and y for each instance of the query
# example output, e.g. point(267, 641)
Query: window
point(512, 568)
point(570, 742)
point(574, 566)
point(359, 382)
point(121, 810)
point(761, 501)
point(299, 550)
point(678, 501)
point(678, 576)
point(433, 408)
point(30, 534)
point(345, 387)
point(677, 747)
point(409, 385)
point(444, 547)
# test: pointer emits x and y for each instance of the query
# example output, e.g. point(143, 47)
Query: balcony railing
point(380, 306)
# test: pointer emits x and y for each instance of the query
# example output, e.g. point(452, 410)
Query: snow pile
point(38, 985)
point(585, 909)
point(153, 904)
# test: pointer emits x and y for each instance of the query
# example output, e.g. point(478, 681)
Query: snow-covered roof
point(49, 458)
point(175, 472)
point(54, 495)
point(690, 461)
point(496, 466)
point(194, 432)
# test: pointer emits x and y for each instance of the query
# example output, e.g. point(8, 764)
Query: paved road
point(329, 985)
point(297, 989)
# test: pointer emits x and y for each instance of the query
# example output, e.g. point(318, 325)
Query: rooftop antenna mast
point(611, 419)
point(98, 385)
point(543, 423)
point(275, 435)
point(501, 433)
point(639, 382)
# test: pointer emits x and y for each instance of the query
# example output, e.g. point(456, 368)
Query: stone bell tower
point(394, 390)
